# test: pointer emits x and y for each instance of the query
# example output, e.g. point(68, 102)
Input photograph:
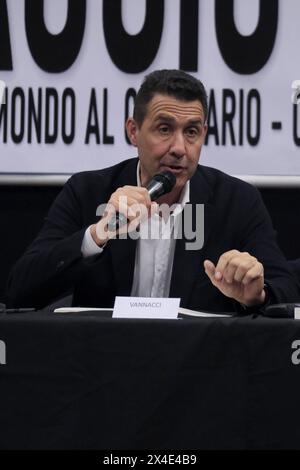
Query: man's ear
point(132, 130)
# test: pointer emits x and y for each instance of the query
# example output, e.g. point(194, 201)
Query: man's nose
point(177, 147)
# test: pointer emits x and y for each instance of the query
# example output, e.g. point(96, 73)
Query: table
point(81, 381)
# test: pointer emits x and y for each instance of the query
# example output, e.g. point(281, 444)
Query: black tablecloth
point(80, 381)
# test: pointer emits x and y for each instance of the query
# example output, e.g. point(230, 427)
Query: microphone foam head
point(167, 178)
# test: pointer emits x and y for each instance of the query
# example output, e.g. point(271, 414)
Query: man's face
point(170, 138)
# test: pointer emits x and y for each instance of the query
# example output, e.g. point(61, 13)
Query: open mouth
point(172, 168)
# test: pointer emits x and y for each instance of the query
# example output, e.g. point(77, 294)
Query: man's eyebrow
point(164, 117)
point(195, 122)
point(167, 118)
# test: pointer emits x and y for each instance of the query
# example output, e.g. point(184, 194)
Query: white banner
point(71, 69)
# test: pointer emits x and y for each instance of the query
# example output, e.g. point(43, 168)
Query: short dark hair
point(168, 82)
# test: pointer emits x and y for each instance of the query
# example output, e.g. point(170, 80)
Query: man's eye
point(192, 132)
point(164, 130)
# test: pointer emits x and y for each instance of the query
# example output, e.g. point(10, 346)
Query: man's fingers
point(209, 269)
point(133, 202)
point(241, 269)
point(225, 259)
point(137, 194)
point(234, 265)
point(140, 194)
point(253, 274)
point(237, 268)
point(239, 276)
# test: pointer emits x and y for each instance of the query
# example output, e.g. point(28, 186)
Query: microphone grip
point(119, 220)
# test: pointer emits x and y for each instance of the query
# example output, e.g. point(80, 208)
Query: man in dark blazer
point(239, 266)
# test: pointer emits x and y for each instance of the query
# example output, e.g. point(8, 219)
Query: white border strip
point(278, 181)
point(22, 179)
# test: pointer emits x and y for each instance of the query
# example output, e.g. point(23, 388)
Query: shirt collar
point(184, 196)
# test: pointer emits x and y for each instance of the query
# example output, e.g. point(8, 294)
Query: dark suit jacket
point(235, 218)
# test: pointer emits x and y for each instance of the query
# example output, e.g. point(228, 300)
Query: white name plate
point(297, 313)
point(144, 307)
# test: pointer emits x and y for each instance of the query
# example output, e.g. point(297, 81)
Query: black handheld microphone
point(160, 184)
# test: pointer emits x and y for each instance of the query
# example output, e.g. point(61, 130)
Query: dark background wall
point(23, 208)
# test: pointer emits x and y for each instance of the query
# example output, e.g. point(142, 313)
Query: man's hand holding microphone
point(129, 205)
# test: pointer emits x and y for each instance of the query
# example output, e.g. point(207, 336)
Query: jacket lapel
point(123, 249)
point(188, 264)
